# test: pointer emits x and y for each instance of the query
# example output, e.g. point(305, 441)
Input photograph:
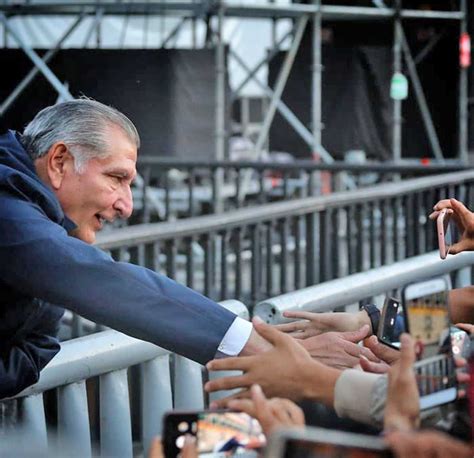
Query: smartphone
point(442, 225)
point(324, 443)
point(392, 323)
point(427, 320)
point(217, 431)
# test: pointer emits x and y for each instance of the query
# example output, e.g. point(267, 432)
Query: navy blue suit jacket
point(41, 265)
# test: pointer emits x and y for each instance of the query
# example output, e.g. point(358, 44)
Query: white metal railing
point(108, 355)
point(353, 288)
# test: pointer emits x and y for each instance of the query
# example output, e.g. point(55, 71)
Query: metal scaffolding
point(214, 14)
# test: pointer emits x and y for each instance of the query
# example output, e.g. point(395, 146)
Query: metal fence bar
point(34, 421)
point(115, 421)
point(73, 420)
point(156, 397)
point(344, 291)
point(188, 392)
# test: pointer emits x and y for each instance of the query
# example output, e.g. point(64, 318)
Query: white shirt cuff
point(235, 338)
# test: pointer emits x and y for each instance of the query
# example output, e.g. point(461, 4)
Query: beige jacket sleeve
point(361, 396)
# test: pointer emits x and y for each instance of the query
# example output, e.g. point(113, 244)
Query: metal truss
point(220, 10)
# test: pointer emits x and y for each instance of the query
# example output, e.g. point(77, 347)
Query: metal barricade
point(169, 188)
point(253, 253)
point(361, 286)
point(166, 381)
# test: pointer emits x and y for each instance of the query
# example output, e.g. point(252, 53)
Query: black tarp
point(356, 107)
point(169, 94)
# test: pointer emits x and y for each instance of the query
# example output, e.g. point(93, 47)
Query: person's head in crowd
point(86, 153)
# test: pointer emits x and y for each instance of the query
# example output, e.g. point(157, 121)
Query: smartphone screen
point(426, 308)
point(226, 432)
point(392, 323)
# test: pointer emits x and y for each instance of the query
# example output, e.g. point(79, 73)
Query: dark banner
point(169, 94)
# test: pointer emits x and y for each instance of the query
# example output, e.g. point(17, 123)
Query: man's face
point(102, 191)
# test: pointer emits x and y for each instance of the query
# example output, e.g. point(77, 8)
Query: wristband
point(374, 317)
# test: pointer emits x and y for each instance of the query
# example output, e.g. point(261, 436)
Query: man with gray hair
point(68, 173)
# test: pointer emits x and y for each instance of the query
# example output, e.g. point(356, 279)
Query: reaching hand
point(388, 356)
point(272, 413)
point(313, 324)
point(426, 444)
point(464, 220)
point(287, 370)
point(339, 349)
point(402, 409)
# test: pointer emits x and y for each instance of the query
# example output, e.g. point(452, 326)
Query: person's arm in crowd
point(402, 408)
point(427, 444)
point(402, 415)
point(312, 324)
point(287, 370)
point(461, 305)
point(339, 349)
point(272, 414)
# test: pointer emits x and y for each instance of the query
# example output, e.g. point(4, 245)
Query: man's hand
point(272, 413)
point(339, 349)
point(464, 220)
point(313, 324)
point(286, 370)
point(402, 409)
point(427, 444)
point(387, 356)
point(255, 344)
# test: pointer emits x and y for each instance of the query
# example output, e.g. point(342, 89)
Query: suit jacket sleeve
point(38, 257)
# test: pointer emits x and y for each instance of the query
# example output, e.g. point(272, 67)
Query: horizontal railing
point(171, 188)
point(104, 410)
point(259, 252)
point(112, 357)
point(365, 285)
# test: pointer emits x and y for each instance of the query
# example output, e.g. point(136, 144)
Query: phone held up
point(423, 312)
point(217, 431)
point(444, 233)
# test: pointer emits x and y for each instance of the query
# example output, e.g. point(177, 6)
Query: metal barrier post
point(156, 397)
point(73, 420)
point(115, 423)
point(34, 422)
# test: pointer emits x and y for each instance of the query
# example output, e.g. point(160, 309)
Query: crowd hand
point(286, 370)
point(311, 324)
point(426, 444)
point(402, 408)
point(189, 449)
point(387, 356)
point(469, 328)
point(339, 349)
point(464, 220)
point(272, 414)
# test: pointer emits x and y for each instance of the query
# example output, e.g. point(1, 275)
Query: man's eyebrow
point(123, 173)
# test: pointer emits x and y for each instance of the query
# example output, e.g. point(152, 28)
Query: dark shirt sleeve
point(20, 363)
point(38, 257)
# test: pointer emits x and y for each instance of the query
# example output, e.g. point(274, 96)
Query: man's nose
point(124, 203)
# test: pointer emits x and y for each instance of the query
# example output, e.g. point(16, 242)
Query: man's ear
point(59, 162)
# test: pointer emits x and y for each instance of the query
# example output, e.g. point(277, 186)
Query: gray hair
point(81, 124)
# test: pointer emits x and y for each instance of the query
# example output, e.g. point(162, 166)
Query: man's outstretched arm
point(40, 259)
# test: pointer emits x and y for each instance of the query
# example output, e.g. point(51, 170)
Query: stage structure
point(214, 14)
